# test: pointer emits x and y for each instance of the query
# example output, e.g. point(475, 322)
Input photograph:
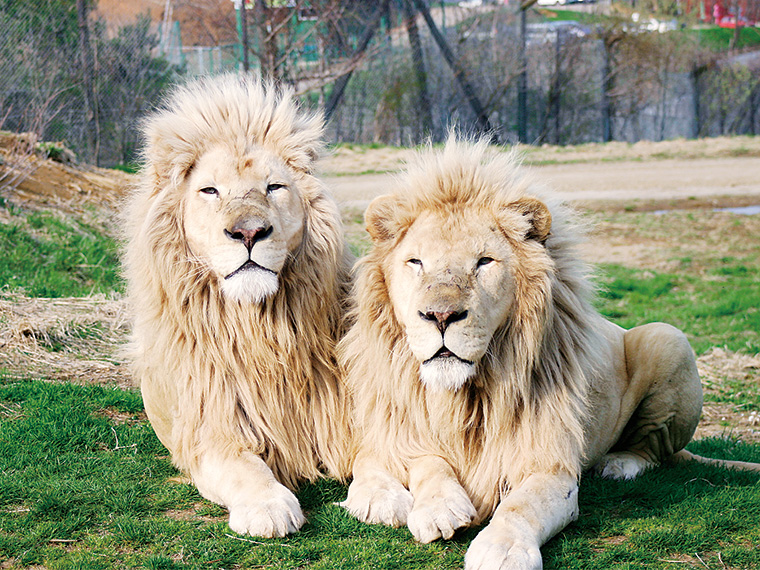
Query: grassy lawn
point(711, 37)
point(84, 482)
point(721, 311)
point(51, 256)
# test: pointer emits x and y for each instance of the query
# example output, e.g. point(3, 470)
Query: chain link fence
point(49, 88)
point(580, 87)
point(69, 78)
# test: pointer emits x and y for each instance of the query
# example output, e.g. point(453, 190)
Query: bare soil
point(619, 186)
point(31, 181)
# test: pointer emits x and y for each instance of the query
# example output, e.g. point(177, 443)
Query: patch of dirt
point(348, 159)
point(644, 176)
point(123, 418)
point(670, 240)
point(31, 181)
point(196, 512)
point(726, 419)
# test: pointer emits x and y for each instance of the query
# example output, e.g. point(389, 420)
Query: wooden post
point(244, 37)
point(342, 81)
point(522, 83)
point(483, 122)
point(423, 104)
point(91, 105)
point(606, 90)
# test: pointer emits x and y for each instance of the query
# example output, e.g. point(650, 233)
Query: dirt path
point(656, 180)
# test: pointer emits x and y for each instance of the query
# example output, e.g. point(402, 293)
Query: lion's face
point(243, 217)
point(450, 287)
point(452, 278)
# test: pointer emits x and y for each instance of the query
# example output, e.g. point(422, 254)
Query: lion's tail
point(684, 455)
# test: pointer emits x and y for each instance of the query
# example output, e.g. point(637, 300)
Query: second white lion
point(484, 379)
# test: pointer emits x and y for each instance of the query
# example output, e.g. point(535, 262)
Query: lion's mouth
point(249, 265)
point(445, 354)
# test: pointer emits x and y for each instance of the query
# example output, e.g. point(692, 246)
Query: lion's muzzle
point(442, 319)
point(248, 231)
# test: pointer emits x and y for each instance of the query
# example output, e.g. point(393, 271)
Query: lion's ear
point(537, 214)
point(169, 149)
point(381, 218)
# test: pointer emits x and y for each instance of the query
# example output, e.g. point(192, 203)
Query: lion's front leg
point(527, 517)
point(441, 505)
point(375, 496)
point(258, 504)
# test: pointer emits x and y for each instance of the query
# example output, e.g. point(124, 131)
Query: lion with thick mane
point(484, 381)
point(238, 273)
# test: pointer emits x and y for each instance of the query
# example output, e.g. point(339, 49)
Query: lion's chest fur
point(491, 439)
point(475, 429)
point(256, 375)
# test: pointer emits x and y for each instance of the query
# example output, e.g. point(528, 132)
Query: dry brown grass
point(694, 238)
point(72, 339)
point(719, 369)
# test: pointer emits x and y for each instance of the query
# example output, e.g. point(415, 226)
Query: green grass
point(723, 310)
point(719, 39)
point(51, 256)
point(711, 37)
point(79, 489)
point(673, 513)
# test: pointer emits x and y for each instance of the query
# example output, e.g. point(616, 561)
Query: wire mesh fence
point(47, 87)
point(66, 76)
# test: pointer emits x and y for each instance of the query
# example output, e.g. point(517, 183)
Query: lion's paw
point(621, 465)
point(489, 553)
point(389, 503)
point(440, 517)
point(276, 516)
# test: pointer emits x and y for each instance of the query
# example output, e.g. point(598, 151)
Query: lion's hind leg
point(623, 465)
point(665, 399)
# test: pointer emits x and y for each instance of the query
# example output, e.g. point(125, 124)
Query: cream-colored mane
point(525, 408)
point(258, 377)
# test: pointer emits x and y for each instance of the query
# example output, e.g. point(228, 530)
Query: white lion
point(484, 381)
point(238, 271)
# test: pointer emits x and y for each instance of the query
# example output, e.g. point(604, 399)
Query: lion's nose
point(248, 232)
point(443, 319)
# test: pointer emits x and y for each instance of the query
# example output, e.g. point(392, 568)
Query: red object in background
point(722, 12)
point(718, 12)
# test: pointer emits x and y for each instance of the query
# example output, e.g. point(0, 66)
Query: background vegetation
point(590, 77)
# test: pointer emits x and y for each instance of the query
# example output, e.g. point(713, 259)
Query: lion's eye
point(484, 261)
point(414, 262)
point(210, 191)
point(274, 187)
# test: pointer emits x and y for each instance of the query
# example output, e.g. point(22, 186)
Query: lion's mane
point(257, 377)
point(525, 408)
